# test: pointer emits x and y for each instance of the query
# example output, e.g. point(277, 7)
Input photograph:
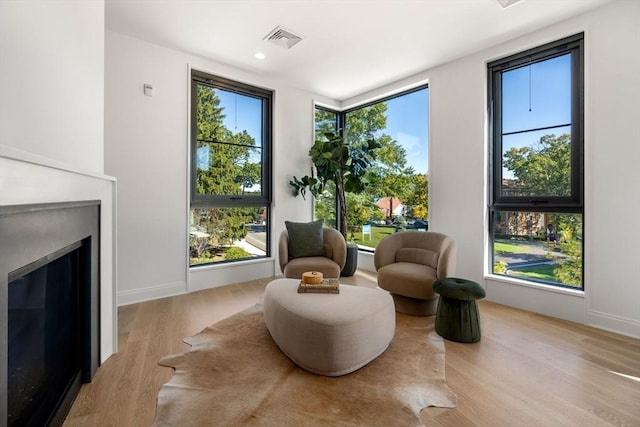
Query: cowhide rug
point(235, 375)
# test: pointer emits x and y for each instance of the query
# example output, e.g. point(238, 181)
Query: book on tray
point(327, 286)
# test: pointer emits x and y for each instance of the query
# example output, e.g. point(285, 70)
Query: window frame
point(574, 202)
point(338, 130)
point(341, 125)
point(266, 98)
point(338, 114)
point(263, 200)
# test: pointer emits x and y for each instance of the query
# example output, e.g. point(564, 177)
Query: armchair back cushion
point(305, 239)
point(418, 256)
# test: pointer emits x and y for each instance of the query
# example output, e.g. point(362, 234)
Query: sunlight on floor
point(630, 377)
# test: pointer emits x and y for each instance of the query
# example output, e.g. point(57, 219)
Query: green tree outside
point(418, 199)
point(225, 165)
point(389, 176)
point(544, 169)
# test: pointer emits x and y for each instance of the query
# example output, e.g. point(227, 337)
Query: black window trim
point(575, 201)
point(547, 204)
point(266, 97)
point(341, 118)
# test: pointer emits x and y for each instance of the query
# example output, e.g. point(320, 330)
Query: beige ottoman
point(329, 334)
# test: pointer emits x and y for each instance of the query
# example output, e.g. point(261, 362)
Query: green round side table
point(457, 317)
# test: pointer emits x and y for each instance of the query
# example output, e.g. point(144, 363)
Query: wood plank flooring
point(527, 370)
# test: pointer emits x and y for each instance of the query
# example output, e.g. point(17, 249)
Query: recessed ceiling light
point(260, 55)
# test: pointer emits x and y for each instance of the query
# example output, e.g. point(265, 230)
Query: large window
point(230, 170)
point(396, 195)
point(325, 204)
point(536, 203)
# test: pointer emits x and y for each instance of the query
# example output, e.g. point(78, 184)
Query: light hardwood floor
point(527, 370)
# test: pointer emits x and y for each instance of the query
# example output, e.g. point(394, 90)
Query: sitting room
point(187, 136)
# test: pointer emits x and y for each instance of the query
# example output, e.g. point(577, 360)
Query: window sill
point(229, 264)
point(539, 286)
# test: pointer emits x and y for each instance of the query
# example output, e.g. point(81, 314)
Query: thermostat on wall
point(148, 89)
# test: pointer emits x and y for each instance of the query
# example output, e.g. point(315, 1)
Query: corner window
point(396, 197)
point(230, 193)
point(326, 121)
point(536, 201)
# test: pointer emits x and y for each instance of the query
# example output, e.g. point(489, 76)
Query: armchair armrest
point(283, 250)
point(385, 252)
point(338, 245)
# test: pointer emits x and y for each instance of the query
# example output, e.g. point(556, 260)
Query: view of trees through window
point(229, 180)
point(536, 207)
point(397, 191)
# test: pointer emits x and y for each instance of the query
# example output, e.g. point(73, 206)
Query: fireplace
point(49, 309)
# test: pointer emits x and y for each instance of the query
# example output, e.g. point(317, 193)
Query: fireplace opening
point(47, 302)
point(49, 309)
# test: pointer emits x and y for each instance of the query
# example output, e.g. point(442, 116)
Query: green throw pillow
point(305, 238)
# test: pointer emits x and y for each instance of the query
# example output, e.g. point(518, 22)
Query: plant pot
point(351, 264)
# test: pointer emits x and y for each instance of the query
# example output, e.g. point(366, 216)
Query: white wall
point(613, 178)
point(146, 147)
point(51, 120)
point(52, 80)
point(458, 169)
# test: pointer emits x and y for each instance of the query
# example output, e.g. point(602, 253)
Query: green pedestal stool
point(457, 317)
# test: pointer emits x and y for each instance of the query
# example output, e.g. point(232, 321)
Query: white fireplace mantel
point(26, 178)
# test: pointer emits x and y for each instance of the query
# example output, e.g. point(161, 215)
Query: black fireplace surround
point(49, 308)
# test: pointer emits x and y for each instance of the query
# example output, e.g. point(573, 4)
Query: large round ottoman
point(457, 317)
point(329, 334)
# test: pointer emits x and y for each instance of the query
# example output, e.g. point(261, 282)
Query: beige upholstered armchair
point(409, 262)
point(329, 261)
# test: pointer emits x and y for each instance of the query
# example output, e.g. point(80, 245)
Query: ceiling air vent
point(282, 37)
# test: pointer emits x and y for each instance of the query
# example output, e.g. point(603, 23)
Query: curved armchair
point(409, 262)
point(330, 265)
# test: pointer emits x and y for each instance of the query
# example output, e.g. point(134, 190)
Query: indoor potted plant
point(344, 165)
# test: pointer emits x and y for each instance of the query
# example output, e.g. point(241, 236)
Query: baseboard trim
point(213, 276)
point(612, 323)
point(151, 293)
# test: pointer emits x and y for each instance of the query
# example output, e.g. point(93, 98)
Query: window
point(536, 201)
point(396, 196)
point(230, 170)
point(325, 204)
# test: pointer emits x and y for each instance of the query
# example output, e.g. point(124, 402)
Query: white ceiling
point(348, 46)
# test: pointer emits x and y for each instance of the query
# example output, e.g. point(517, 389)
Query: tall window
point(230, 170)
point(396, 196)
point(536, 206)
point(325, 204)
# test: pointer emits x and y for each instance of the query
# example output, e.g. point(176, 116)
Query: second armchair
point(409, 262)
